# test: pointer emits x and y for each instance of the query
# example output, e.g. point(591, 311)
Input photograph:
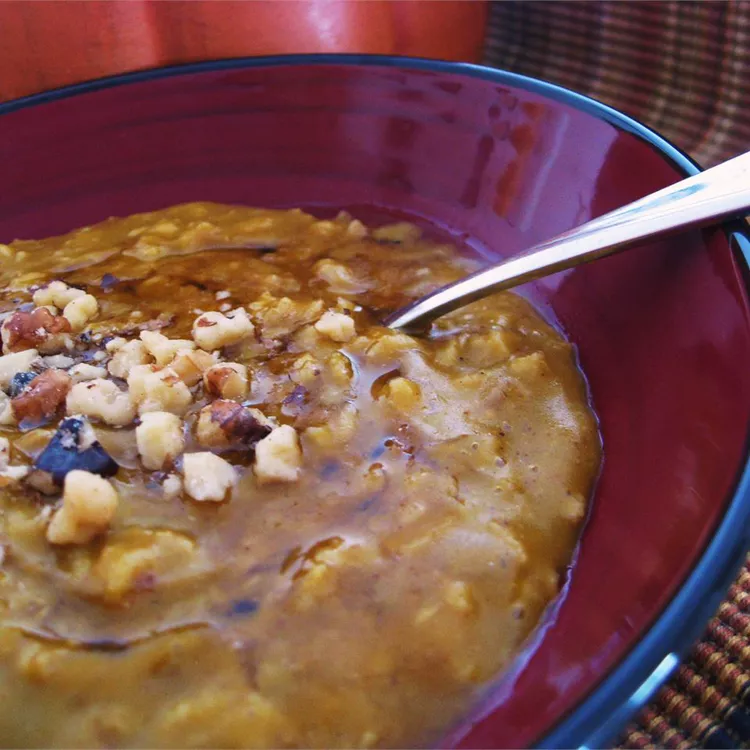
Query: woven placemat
point(707, 702)
point(682, 68)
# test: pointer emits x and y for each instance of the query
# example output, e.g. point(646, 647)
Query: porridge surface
point(235, 511)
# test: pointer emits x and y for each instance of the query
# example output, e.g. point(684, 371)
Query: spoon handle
point(719, 192)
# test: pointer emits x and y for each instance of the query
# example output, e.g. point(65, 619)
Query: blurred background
point(681, 67)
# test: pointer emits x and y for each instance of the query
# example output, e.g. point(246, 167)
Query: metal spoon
point(719, 192)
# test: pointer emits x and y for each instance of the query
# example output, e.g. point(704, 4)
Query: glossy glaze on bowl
point(499, 162)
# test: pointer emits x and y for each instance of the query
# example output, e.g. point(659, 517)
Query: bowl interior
point(662, 331)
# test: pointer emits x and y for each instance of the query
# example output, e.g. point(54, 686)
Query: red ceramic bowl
point(499, 162)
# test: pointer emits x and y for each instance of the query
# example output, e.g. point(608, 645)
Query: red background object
point(663, 331)
point(49, 43)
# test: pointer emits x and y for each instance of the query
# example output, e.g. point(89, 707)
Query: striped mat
point(682, 68)
point(707, 702)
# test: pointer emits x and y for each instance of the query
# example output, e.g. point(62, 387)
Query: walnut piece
point(280, 316)
point(163, 349)
point(38, 329)
point(339, 278)
point(190, 365)
point(171, 486)
point(226, 423)
point(60, 361)
point(278, 457)
point(336, 326)
point(214, 330)
point(227, 380)
point(403, 394)
point(88, 506)
point(56, 294)
point(158, 390)
point(13, 474)
point(127, 356)
point(160, 439)
point(80, 311)
point(12, 364)
point(101, 399)
point(43, 397)
point(207, 476)
point(6, 411)
point(83, 372)
point(9, 474)
point(115, 344)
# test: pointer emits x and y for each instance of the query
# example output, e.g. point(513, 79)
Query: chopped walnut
point(82, 372)
point(6, 411)
point(43, 397)
point(339, 370)
point(336, 326)
point(402, 393)
point(225, 423)
point(487, 349)
point(114, 344)
point(137, 558)
point(208, 431)
point(307, 339)
point(126, 357)
point(280, 316)
point(227, 380)
point(338, 277)
point(136, 379)
point(305, 370)
point(89, 504)
point(101, 399)
point(207, 476)
point(530, 366)
point(12, 364)
point(190, 365)
point(38, 329)
point(390, 346)
point(160, 439)
point(163, 349)
point(337, 431)
point(158, 390)
point(278, 457)
point(57, 294)
point(59, 361)
point(13, 474)
point(171, 486)
point(214, 330)
point(80, 311)
point(9, 474)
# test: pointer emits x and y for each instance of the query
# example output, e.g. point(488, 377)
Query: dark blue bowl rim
point(629, 685)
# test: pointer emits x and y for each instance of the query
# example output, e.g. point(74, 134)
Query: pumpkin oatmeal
point(236, 511)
